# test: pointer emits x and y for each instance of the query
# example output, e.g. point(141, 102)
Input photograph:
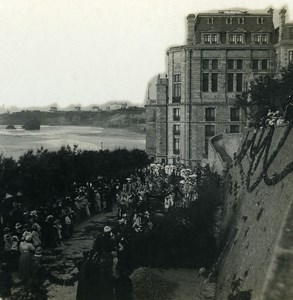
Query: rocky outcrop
point(33, 124)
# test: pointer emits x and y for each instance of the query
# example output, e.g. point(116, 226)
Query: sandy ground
point(62, 262)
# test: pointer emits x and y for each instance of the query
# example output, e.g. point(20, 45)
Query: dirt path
point(62, 262)
point(62, 259)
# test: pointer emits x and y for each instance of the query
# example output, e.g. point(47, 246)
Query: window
point(264, 64)
point(230, 64)
point(232, 38)
point(209, 130)
point(255, 64)
point(176, 88)
point(214, 38)
point(229, 20)
point(177, 77)
point(205, 64)
point(259, 20)
point(176, 146)
point(230, 82)
point(239, 64)
point(176, 114)
point(234, 128)
point(210, 20)
point(205, 82)
point(257, 38)
point(207, 39)
point(210, 113)
point(176, 129)
point(239, 82)
point(290, 56)
point(214, 64)
point(239, 39)
point(234, 114)
point(264, 38)
point(214, 82)
point(241, 20)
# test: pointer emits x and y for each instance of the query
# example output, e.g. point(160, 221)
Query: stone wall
point(257, 226)
point(214, 158)
point(232, 142)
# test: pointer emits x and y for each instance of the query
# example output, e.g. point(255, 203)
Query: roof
point(219, 23)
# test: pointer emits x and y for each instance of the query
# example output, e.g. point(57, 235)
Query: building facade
point(223, 53)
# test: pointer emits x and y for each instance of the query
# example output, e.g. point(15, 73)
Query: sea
point(16, 142)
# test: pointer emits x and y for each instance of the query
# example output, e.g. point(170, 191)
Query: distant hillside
point(133, 117)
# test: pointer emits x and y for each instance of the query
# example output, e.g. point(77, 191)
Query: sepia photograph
point(146, 150)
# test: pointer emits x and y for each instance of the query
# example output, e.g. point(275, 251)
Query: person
point(38, 275)
point(288, 116)
point(26, 249)
point(106, 280)
point(7, 244)
point(5, 282)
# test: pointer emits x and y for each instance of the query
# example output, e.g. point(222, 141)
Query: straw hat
point(39, 250)
point(107, 229)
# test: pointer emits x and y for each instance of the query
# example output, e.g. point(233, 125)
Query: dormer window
point(232, 38)
point(214, 38)
point(264, 38)
point(260, 38)
point(210, 20)
point(229, 20)
point(236, 38)
point(241, 20)
point(211, 38)
point(257, 39)
point(239, 38)
point(207, 38)
point(259, 20)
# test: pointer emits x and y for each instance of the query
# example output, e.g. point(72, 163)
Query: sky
point(93, 51)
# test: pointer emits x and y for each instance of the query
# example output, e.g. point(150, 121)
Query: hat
point(39, 250)
point(15, 238)
point(18, 225)
point(202, 271)
point(107, 229)
point(6, 229)
point(8, 235)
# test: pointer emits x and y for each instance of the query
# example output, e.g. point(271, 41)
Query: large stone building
point(224, 51)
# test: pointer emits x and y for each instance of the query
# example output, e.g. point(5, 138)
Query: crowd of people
point(277, 118)
point(142, 199)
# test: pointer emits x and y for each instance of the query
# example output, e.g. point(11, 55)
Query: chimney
point(282, 22)
point(271, 11)
point(190, 28)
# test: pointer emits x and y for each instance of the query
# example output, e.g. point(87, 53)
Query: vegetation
point(10, 126)
point(133, 116)
point(45, 175)
point(267, 93)
point(33, 124)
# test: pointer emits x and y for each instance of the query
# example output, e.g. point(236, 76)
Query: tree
point(267, 92)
